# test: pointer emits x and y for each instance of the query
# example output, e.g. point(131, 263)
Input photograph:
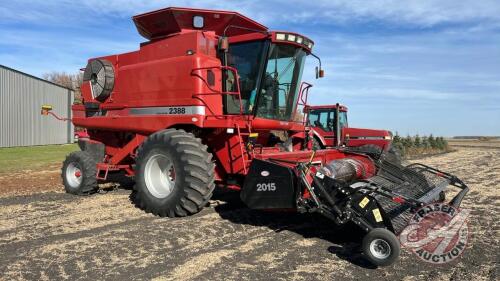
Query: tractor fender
point(318, 137)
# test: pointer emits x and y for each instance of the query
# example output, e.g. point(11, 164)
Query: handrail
point(302, 99)
point(304, 87)
point(214, 91)
point(242, 151)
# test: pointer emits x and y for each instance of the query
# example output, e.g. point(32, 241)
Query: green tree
point(408, 142)
point(396, 139)
point(417, 142)
point(441, 143)
point(432, 141)
point(425, 142)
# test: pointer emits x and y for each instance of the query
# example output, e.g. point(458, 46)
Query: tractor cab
point(330, 129)
point(324, 118)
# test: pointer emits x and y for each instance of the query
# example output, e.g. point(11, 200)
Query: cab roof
point(329, 106)
point(161, 23)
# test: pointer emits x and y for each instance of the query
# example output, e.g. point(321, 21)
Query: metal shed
point(21, 97)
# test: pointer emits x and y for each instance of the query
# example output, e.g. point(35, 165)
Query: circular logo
point(437, 233)
point(264, 173)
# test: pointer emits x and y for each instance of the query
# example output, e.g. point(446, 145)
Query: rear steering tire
point(174, 174)
point(370, 149)
point(393, 155)
point(316, 144)
point(79, 173)
point(381, 247)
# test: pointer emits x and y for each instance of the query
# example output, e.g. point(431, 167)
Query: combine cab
point(193, 108)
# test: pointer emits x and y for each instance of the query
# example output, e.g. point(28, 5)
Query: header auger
point(194, 108)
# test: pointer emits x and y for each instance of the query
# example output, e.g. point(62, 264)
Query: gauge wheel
point(381, 247)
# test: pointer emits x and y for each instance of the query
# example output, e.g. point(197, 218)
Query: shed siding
point(21, 124)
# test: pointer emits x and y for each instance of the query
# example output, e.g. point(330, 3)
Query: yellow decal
point(363, 202)
point(254, 135)
point(377, 215)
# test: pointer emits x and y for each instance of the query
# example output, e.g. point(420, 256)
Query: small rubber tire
point(372, 150)
point(389, 240)
point(193, 170)
point(85, 165)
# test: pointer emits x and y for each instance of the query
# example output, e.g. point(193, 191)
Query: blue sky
point(409, 66)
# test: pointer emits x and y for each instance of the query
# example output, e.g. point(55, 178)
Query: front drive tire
point(79, 173)
point(174, 174)
point(381, 247)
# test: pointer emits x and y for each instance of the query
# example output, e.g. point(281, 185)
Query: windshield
point(280, 84)
point(325, 119)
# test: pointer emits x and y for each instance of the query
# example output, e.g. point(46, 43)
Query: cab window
point(322, 119)
point(343, 119)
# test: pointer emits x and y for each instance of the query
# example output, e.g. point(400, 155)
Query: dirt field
point(494, 143)
point(52, 235)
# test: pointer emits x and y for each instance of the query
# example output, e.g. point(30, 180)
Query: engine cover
point(269, 186)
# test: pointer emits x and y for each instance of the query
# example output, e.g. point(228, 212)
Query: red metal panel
point(160, 23)
point(127, 149)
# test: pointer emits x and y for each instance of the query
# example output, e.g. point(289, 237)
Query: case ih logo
point(438, 233)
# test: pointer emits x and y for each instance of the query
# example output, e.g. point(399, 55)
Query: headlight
point(280, 36)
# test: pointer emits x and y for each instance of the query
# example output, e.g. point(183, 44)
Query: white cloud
point(419, 13)
point(413, 12)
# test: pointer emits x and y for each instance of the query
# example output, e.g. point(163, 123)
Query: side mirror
point(224, 44)
point(46, 108)
point(320, 73)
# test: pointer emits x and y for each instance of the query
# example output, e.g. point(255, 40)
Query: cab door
point(323, 122)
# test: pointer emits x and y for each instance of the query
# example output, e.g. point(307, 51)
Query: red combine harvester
point(194, 107)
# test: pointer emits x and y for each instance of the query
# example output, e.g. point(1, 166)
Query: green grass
point(33, 157)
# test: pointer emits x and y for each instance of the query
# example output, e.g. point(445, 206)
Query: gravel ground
point(52, 235)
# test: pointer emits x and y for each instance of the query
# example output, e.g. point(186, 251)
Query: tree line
point(416, 145)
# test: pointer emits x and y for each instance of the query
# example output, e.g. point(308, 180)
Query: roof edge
point(35, 77)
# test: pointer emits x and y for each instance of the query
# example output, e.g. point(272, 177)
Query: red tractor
point(193, 108)
point(330, 129)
